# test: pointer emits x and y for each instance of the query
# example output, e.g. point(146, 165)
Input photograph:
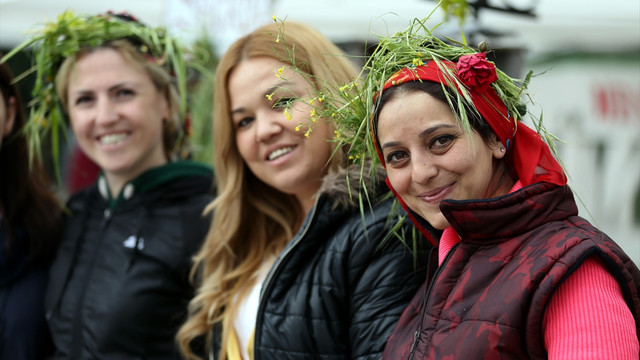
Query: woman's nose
point(267, 126)
point(422, 168)
point(105, 111)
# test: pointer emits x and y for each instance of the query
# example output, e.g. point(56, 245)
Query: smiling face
point(267, 141)
point(429, 158)
point(116, 113)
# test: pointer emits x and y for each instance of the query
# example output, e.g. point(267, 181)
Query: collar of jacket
point(492, 220)
point(152, 179)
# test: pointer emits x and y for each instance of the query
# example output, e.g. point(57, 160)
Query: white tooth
point(280, 152)
point(112, 139)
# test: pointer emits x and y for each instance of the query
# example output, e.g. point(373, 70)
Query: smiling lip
point(437, 195)
point(112, 139)
point(279, 152)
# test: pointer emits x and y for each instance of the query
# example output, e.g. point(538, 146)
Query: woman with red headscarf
point(518, 274)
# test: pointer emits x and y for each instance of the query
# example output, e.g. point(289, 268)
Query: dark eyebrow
point(431, 130)
point(269, 91)
point(278, 86)
point(119, 85)
point(111, 88)
point(237, 111)
point(423, 134)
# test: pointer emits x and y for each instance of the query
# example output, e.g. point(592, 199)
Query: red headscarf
point(527, 154)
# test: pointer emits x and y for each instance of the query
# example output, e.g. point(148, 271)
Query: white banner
point(593, 104)
point(224, 20)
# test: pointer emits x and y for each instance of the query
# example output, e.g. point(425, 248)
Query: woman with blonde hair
point(118, 287)
point(292, 267)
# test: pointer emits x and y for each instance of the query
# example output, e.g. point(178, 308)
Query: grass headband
point(62, 38)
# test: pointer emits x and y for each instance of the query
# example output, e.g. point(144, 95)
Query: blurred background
point(585, 55)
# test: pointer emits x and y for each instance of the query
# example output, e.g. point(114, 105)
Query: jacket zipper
point(418, 333)
point(274, 270)
point(78, 322)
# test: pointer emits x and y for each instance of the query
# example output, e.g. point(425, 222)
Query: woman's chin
point(438, 221)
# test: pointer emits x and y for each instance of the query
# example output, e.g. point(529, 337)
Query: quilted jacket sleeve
point(383, 280)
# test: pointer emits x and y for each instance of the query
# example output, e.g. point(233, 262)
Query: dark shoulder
point(79, 200)
point(372, 216)
point(197, 186)
point(374, 228)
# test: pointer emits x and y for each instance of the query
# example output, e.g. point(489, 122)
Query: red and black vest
point(488, 298)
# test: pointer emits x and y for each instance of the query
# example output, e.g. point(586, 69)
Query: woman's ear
point(499, 150)
point(11, 116)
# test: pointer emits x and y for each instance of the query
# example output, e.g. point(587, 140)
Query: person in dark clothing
point(295, 265)
point(520, 275)
point(119, 285)
point(30, 223)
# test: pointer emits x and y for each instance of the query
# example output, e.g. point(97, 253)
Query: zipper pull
point(107, 217)
point(416, 337)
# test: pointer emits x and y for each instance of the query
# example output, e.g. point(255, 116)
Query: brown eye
point(396, 157)
point(283, 103)
point(441, 143)
point(244, 122)
point(80, 100)
point(124, 93)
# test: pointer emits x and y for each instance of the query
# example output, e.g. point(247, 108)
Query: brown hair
point(26, 196)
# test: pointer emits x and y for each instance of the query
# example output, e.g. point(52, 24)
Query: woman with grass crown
point(520, 274)
point(300, 262)
point(119, 287)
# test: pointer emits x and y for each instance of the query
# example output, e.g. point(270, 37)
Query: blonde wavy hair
point(251, 220)
point(158, 74)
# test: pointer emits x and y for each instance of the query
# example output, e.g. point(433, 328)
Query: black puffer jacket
point(119, 285)
point(335, 292)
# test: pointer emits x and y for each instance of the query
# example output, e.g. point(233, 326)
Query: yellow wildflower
point(287, 114)
point(41, 121)
point(269, 96)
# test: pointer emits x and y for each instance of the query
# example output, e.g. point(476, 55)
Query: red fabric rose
point(476, 72)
